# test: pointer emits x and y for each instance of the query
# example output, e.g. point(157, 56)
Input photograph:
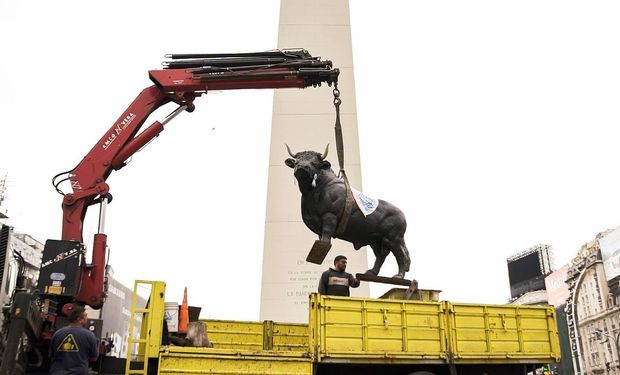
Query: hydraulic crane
point(66, 278)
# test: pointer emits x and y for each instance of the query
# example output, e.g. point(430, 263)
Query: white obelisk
point(304, 119)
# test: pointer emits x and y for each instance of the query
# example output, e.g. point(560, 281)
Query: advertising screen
point(525, 268)
point(557, 289)
point(610, 251)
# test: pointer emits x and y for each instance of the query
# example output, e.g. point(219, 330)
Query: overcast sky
point(493, 125)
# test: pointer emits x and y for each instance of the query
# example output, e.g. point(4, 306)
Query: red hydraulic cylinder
point(136, 143)
point(91, 291)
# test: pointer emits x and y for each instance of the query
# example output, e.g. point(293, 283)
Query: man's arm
point(93, 350)
point(323, 283)
point(353, 282)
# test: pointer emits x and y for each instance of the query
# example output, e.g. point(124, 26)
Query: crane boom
point(65, 277)
point(181, 82)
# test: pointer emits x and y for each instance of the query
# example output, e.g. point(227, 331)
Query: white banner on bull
point(366, 204)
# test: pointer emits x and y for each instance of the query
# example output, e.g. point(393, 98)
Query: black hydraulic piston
point(291, 53)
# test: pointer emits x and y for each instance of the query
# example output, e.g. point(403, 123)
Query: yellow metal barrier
point(149, 342)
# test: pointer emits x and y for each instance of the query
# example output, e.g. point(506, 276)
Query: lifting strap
point(348, 206)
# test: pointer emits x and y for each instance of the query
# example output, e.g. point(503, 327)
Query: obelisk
point(304, 119)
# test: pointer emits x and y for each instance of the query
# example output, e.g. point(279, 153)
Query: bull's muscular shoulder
point(334, 191)
point(328, 196)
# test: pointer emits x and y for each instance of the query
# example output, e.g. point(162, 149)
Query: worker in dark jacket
point(335, 281)
point(73, 346)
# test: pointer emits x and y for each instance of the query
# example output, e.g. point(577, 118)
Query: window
point(595, 359)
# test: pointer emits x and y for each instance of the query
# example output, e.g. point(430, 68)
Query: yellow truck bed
point(243, 348)
point(185, 360)
point(360, 330)
point(377, 334)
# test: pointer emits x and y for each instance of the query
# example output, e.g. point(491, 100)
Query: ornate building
point(593, 315)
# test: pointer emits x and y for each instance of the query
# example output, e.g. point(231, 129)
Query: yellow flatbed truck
point(347, 335)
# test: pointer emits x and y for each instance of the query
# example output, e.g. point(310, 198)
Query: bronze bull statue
point(323, 198)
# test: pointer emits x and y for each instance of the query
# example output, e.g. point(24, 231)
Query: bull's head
point(307, 165)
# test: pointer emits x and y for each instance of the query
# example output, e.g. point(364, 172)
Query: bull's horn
point(289, 150)
point(325, 153)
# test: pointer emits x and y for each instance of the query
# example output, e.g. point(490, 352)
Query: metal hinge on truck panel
point(268, 335)
point(447, 317)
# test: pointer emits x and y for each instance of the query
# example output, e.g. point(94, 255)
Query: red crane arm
point(182, 86)
point(88, 178)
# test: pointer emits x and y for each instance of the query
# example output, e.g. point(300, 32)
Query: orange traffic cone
point(184, 314)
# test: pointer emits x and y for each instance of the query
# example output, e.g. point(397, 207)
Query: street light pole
point(618, 347)
point(599, 336)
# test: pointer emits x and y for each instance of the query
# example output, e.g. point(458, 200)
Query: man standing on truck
point(335, 281)
point(73, 346)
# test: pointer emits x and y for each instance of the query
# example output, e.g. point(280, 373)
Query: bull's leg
point(401, 254)
point(403, 260)
point(381, 253)
point(321, 247)
point(406, 258)
point(330, 222)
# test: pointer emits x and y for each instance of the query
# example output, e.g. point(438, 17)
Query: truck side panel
point(374, 331)
point(290, 337)
point(184, 360)
point(364, 328)
point(502, 333)
point(268, 335)
point(229, 334)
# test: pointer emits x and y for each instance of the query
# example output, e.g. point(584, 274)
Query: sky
point(493, 125)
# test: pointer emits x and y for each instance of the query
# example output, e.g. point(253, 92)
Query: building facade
point(593, 314)
point(19, 254)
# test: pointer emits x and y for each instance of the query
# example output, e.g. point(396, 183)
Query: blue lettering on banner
point(366, 204)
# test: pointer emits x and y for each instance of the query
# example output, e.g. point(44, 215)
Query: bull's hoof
point(371, 273)
point(399, 276)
